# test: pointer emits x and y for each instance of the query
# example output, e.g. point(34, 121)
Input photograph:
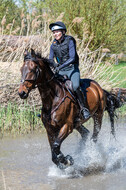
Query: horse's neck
point(51, 92)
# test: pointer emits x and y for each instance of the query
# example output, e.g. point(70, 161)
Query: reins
point(40, 84)
point(61, 101)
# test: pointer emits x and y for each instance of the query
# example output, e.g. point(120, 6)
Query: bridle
point(36, 72)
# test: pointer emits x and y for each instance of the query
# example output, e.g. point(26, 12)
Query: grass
point(17, 120)
point(120, 77)
point(120, 73)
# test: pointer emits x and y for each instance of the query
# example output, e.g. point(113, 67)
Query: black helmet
point(57, 26)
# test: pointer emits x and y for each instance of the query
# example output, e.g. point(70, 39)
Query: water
point(25, 162)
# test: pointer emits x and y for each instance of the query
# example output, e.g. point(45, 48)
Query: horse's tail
point(113, 100)
point(112, 103)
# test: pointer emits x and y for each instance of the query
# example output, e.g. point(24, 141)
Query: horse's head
point(30, 74)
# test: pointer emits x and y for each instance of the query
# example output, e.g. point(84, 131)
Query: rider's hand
point(56, 70)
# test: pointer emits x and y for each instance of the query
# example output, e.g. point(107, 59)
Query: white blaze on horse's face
point(28, 71)
point(24, 72)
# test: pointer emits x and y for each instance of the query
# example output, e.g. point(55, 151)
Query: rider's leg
point(75, 78)
point(84, 111)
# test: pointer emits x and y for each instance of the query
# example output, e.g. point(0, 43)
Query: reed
point(16, 119)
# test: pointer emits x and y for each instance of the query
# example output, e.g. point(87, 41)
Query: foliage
point(103, 19)
point(9, 14)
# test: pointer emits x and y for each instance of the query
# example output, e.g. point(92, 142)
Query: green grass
point(16, 119)
point(120, 73)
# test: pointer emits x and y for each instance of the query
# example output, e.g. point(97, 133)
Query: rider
point(63, 49)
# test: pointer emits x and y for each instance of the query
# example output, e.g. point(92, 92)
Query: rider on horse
point(63, 49)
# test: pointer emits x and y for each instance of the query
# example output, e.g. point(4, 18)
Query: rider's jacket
point(65, 51)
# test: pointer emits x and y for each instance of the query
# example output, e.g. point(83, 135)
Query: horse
point(60, 109)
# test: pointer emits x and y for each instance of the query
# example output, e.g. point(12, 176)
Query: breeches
point(74, 75)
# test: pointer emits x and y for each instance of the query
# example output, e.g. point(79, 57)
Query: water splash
point(108, 155)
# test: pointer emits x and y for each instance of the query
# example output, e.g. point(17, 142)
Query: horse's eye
point(32, 70)
point(22, 80)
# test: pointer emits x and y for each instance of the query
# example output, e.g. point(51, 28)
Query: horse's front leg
point(84, 132)
point(55, 142)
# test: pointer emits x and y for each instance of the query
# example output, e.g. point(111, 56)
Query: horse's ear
point(25, 52)
point(32, 52)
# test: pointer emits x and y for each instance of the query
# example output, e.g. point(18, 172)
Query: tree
point(105, 19)
point(9, 9)
point(101, 21)
point(9, 16)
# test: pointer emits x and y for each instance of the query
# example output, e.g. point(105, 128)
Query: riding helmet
point(57, 26)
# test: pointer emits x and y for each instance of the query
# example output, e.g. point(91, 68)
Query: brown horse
point(60, 110)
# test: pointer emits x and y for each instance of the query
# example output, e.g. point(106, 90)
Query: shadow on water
point(25, 162)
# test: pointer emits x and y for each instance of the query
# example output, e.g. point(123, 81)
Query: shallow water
point(25, 162)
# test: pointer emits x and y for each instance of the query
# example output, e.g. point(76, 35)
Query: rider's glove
point(56, 70)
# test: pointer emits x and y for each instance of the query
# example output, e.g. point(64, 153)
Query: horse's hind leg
point(111, 115)
point(97, 125)
point(83, 132)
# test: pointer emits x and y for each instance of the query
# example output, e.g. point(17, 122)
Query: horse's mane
point(37, 56)
point(46, 61)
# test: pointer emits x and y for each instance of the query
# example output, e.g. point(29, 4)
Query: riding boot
point(81, 99)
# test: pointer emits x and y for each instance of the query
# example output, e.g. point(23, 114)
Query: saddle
point(67, 83)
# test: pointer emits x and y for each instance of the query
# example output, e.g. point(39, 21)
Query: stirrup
point(85, 113)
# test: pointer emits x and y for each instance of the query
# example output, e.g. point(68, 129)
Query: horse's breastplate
point(61, 51)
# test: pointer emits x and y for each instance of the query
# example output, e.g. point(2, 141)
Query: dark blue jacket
point(64, 52)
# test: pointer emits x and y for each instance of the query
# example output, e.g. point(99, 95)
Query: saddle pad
point(85, 83)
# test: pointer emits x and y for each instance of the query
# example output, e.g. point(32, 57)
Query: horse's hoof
point(61, 166)
point(70, 160)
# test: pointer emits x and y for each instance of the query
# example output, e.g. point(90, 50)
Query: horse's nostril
point(22, 94)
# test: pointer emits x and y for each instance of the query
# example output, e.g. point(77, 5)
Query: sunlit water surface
point(25, 162)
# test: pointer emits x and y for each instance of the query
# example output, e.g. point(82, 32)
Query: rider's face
point(57, 34)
